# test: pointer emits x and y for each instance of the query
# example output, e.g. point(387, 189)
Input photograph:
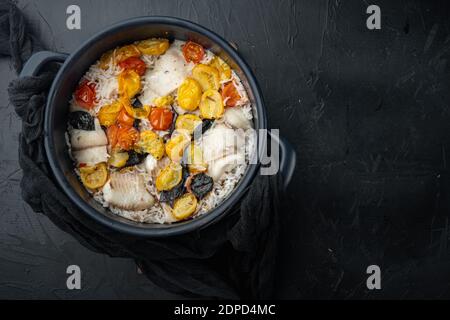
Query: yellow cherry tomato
point(211, 105)
point(126, 52)
point(195, 159)
point(207, 76)
point(189, 94)
point(129, 83)
point(184, 206)
point(176, 145)
point(150, 142)
point(223, 68)
point(137, 113)
point(108, 114)
point(94, 177)
point(116, 56)
point(169, 177)
point(163, 101)
point(118, 159)
point(187, 122)
point(153, 46)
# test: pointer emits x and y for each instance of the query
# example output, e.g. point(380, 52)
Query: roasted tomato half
point(124, 118)
point(126, 137)
point(134, 63)
point(185, 206)
point(188, 122)
point(211, 106)
point(163, 101)
point(85, 95)
point(123, 137)
point(193, 52)
point(129, 83)
point(161, 118)
point(141, 112)
point(193, 157)
point(223, 68)
point(150, 142)
point(111, 133)
point(230, 95)
point(189, 94)
point(118, 159)
point(108, 114)
point(94, 177)
point(208, 77)
point(126, 52)
point(176, 145)
point(153, 46)
point(169, 177)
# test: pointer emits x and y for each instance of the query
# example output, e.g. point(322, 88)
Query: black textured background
point(367, 111)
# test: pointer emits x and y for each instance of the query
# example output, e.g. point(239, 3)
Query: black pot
point(73, 68)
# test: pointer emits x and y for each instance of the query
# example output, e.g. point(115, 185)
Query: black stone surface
point(367, 111)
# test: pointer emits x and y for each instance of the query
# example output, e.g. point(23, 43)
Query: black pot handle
point(39, 59)
point(288, 159)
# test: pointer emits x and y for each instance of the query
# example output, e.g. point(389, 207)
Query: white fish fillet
point(83, 139)
point(217, 168)
point(91, 156)
point(169, 72)
point(236, 118)
point(127, 191)
point(150, 163)
point(223, 149)
point(219, 142)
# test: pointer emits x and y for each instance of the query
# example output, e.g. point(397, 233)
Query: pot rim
point(136, 228)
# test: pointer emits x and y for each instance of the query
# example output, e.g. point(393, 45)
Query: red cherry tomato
point(127, 137)
point(134, 63)
point(111, 133)
point(122, 136)
point(124, 118)
point(193, 52)
point(85, 95)
point(230, 95)
point(161, 118)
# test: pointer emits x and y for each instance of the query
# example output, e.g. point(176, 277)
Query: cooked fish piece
point(91, 156)
point(150, 163)
point(219, 142)
point(217, 168)
point(83, 139)
point(127, 191)
point(223, 149)
point(235, 117)
point(169, 72)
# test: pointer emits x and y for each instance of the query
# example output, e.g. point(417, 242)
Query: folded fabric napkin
point(234, 258)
